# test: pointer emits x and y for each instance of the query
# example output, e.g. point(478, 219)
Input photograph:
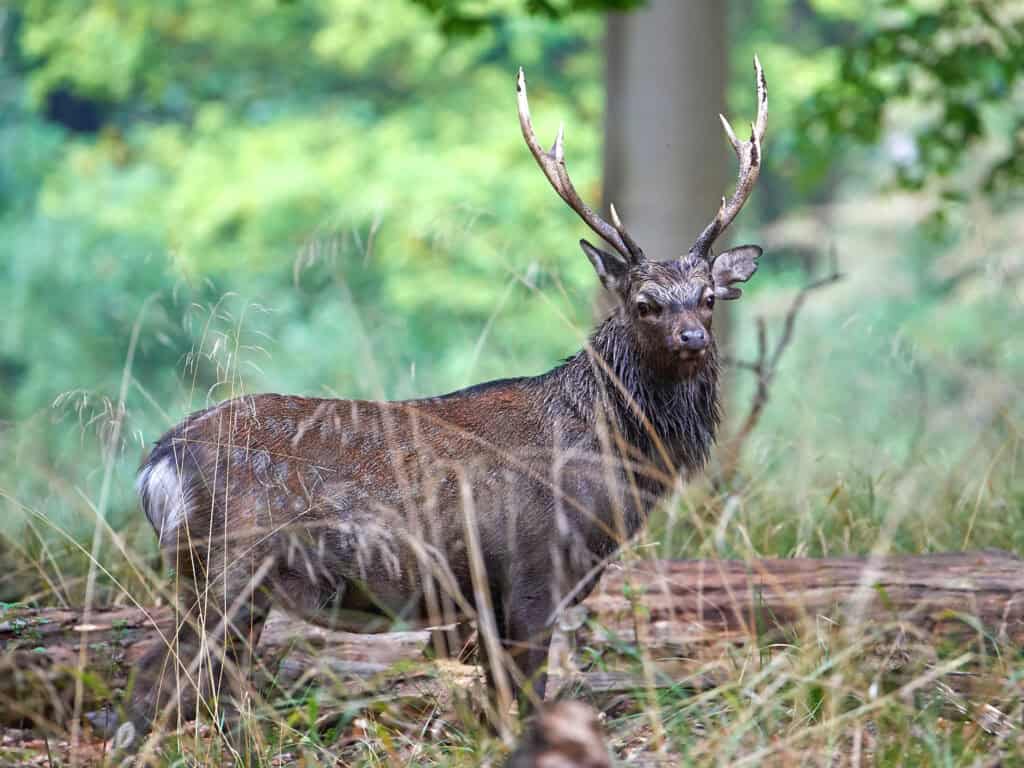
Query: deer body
point(346, 513)
point(360, 515)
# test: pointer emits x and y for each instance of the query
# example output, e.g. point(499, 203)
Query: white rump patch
point(167, 501)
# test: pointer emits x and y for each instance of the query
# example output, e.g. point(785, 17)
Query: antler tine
point(749, 155)
point(635, 250)
point(552, 163)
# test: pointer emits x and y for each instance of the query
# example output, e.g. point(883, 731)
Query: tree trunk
point(696, 614)
point(665, 157)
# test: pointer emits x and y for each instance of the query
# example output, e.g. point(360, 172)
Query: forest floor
point(910, 660)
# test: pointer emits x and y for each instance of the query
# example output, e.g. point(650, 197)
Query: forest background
point(332, 197)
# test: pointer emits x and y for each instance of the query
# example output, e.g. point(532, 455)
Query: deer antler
point(552, 163)
point(749, 155)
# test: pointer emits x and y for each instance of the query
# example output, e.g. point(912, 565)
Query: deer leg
point(233, 631)
point(221, 617)
point(527, 645)
point(161, 686)
point(486, 661)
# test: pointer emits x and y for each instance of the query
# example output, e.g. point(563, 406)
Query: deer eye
point(645, 308)
point(709, 302)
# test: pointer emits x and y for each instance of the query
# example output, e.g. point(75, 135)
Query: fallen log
point(43, 650)
point(674, 606)
point(688, 616)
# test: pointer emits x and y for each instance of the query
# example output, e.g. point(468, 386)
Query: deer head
point(668, 304)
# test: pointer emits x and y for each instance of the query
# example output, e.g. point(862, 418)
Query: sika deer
point(501, 501)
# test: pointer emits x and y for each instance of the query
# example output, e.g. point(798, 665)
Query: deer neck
point(673, 419)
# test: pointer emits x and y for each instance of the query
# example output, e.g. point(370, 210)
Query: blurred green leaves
point(936, 86)
point(459, 18)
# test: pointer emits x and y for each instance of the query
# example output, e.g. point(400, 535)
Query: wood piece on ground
point(692, 618)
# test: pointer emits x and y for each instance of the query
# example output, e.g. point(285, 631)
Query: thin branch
point(766, 365)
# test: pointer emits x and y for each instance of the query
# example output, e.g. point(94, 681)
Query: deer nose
point(694, 338)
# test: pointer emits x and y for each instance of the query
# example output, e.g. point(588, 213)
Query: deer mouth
point(690, 361)
point(692, 355)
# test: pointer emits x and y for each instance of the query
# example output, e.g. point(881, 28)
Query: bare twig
point(766, 365)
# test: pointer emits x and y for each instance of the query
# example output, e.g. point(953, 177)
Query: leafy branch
point(959, 67)
point(453, 20)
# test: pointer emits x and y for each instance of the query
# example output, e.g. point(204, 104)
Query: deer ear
point(736, 265)
point(612, 269)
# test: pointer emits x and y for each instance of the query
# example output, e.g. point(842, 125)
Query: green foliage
point(468, 17)
point(939, 81)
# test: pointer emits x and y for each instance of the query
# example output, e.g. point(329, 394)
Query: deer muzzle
point(694, 339)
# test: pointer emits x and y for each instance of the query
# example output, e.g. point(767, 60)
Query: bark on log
point(685, 614)
point(677, 605)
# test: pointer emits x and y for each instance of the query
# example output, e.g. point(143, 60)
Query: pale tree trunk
point(665, 156)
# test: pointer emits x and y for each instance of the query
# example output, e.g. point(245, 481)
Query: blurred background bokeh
point(332, 197)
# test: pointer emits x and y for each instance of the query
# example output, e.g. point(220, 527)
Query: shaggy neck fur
point(657, 415)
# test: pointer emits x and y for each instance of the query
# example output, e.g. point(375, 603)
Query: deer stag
point(499, 502)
